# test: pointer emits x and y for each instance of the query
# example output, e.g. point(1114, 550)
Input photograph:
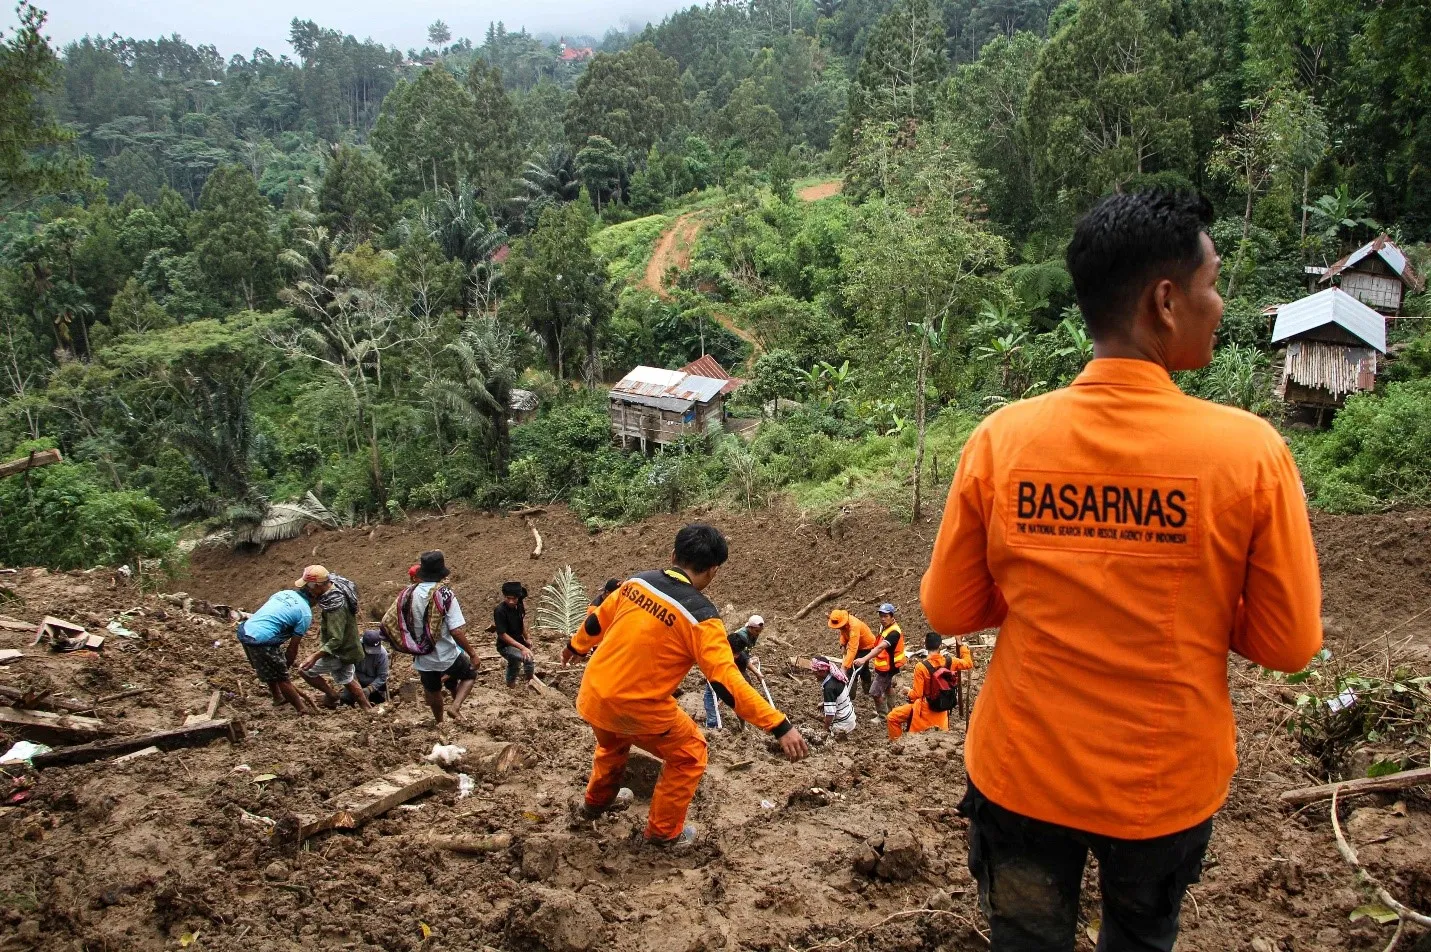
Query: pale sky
point(237, 26)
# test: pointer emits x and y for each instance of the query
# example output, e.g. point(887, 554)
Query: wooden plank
point(1348, 788)
point(136, 755)
point(209, 712)
point(376, 797)
point(69, 725)
point(33, 461)
point(195, 735)
point(10, 654)
point(546, 690)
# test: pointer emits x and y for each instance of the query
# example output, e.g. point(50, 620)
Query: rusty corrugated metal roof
point(670, 386)
point(1386, 249)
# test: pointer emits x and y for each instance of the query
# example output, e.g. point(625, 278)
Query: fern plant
point(561, 605)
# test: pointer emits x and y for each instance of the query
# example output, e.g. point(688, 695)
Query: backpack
point(941, 690)
point(397, 630)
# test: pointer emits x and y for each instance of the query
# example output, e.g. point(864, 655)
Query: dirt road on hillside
point(674, 248)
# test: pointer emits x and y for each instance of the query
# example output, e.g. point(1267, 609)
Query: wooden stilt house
point(651, 407)
point(1377, 274)
point(1332, 343)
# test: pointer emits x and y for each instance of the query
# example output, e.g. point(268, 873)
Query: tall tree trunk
point(1306, 182)
point(919, 412)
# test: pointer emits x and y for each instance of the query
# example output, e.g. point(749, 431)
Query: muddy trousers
point(683, 750)
point(1030, 872)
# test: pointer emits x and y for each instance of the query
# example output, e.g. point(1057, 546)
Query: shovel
point(755, 663)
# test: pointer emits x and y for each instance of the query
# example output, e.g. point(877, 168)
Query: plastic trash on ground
point(465, 786)
point(445, 754)
point(22, 752)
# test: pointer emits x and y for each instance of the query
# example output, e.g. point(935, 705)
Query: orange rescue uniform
point(1123, 537)
point(917, 716)
point(856, 638)
point(651, 631)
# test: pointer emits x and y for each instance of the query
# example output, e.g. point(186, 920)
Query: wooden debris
point(69, 725)
point(10, 654)
point(136, 755)
point(209, 712)
point(132, 692)
point(15, 624)
point(496, 760)
point(372, 799)
point(35, 460)
point(529, 511)
point(475, 845)
point(63, 635)
point(41, 699)
point(833, 593)
point(537, 552)
point(1397, 781)
point(194, 735)
point(546, 690)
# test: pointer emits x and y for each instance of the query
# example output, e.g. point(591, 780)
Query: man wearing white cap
point(741, 641)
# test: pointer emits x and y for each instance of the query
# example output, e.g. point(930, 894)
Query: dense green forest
point(225, 283)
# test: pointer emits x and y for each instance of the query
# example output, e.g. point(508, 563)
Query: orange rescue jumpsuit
point(1124, 537)
point(855, 638)
point(651, 631)
point(916, 716)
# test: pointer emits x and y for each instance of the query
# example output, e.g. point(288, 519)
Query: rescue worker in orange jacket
point(855, 639)
point(917, 715)
point(1124, 538)
point(651, 631)
point(887, 658)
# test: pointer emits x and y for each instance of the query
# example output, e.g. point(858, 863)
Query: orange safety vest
point(881, 660)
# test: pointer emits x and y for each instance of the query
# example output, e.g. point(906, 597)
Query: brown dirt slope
point(145, 854)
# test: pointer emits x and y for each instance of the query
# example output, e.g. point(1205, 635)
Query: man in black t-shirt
point(513, 640)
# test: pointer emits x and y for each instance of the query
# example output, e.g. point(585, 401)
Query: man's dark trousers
point(1030, 873)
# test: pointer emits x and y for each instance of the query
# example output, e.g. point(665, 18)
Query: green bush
point(65, 517)
point(1377, 454)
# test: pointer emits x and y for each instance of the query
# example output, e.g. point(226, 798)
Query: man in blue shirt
point(285, 617)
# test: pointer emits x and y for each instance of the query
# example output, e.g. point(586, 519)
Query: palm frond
point(561, 605)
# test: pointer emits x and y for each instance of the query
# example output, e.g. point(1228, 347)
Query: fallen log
point(833, 593)
point(537, 552)
point(68, 725)
point(1348, 788)
point(194, 735)
point(369, 801)
point(32, 699)
point(34, 461)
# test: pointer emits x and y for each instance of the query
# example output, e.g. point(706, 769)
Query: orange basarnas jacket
point(1124, 538)
point(650, 633)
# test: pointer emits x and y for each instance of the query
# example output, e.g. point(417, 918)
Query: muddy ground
point(157, 853)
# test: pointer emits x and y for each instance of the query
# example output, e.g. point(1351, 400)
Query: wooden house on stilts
point(1333, 343)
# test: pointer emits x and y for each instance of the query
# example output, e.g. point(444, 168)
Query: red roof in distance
point(708, 366)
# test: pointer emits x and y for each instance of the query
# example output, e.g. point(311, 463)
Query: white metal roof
point(1332, 306)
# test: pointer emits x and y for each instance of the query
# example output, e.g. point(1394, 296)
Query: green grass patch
point(879, 469)
point(628, 246)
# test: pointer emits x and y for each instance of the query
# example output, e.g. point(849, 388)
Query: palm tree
point(480, 395)
point(549, 178)
point(462, 228)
